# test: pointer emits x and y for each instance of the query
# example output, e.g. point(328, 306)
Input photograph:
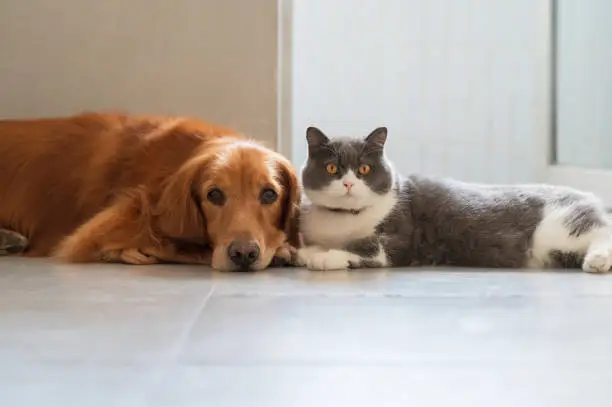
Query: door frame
point(284, 78)
point(598, 181)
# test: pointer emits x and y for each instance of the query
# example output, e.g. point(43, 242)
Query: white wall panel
point(455, 81)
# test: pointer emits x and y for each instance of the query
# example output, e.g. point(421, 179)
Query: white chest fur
point(332, 230)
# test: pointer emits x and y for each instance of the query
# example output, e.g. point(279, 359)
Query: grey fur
point(583, 218)
point(440, 221)
point(447, 222)
point(561, 259)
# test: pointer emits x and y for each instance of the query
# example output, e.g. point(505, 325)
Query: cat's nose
point(348, 185)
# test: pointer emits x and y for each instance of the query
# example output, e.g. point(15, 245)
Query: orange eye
point(332, 168)
point(364, 169)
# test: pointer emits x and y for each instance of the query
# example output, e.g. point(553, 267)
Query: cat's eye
point(332, 168)
point(216, 196)
point(364, 169)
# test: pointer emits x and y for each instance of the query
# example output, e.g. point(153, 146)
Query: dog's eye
point(268, 196)
point(216, 196)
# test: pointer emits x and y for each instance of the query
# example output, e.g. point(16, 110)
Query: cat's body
point(386, 220)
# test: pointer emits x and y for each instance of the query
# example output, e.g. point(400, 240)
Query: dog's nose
point(243, 254)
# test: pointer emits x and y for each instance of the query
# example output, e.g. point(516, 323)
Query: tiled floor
point(176, 336)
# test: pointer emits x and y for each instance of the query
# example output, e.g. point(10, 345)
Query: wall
point(455, 81)
point(214, 59)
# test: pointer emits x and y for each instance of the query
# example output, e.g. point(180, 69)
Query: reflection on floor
point(183, 336)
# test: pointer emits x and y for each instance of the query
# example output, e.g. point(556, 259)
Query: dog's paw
point(129, 256)
point(181, 252)
point(598, 260)
point(285, 256)
point(137, 257)
point(330, 260)
point(12, 242)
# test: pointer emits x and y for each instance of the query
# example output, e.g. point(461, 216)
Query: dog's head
point(238, 197)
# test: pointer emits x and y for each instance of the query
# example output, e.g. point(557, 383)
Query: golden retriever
point(141, 190)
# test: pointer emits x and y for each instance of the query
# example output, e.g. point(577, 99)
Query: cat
point(358, 213)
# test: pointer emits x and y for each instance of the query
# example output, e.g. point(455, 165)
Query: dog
point(102, 187)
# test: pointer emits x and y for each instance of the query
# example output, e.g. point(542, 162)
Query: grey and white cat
point(359, 213)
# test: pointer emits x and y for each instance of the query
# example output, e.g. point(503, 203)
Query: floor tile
point(422, 385)
point(89, 313)
point(110, 335)
point(401, 329)
point(33, 385)
point(415, 282)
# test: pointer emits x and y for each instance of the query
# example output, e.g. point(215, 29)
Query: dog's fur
point(113, 187)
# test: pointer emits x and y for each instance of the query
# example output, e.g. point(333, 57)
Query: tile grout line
point(191, 324)
point(180, 343)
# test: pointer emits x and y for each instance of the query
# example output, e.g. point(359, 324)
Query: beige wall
point(215, 59)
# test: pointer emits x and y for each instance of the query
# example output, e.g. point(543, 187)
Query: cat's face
point(346, 173)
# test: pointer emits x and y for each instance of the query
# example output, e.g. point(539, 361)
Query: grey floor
point(180, 336)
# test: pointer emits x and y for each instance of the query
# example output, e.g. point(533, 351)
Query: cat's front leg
point(332, 259)
point(306, 253)
point(362, 253)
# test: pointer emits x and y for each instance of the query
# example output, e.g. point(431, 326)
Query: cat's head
point(346, 173)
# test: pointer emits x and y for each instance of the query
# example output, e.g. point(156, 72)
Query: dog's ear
point(290, 215)
point(180, 214)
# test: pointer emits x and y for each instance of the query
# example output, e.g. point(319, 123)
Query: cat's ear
point(376, 139)
point(315, 138)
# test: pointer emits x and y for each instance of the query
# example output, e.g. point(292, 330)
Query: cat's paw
point(598, 260)
point(304, 255)
point(330, 260)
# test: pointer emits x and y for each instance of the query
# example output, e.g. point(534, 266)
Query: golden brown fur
point(110, 187)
